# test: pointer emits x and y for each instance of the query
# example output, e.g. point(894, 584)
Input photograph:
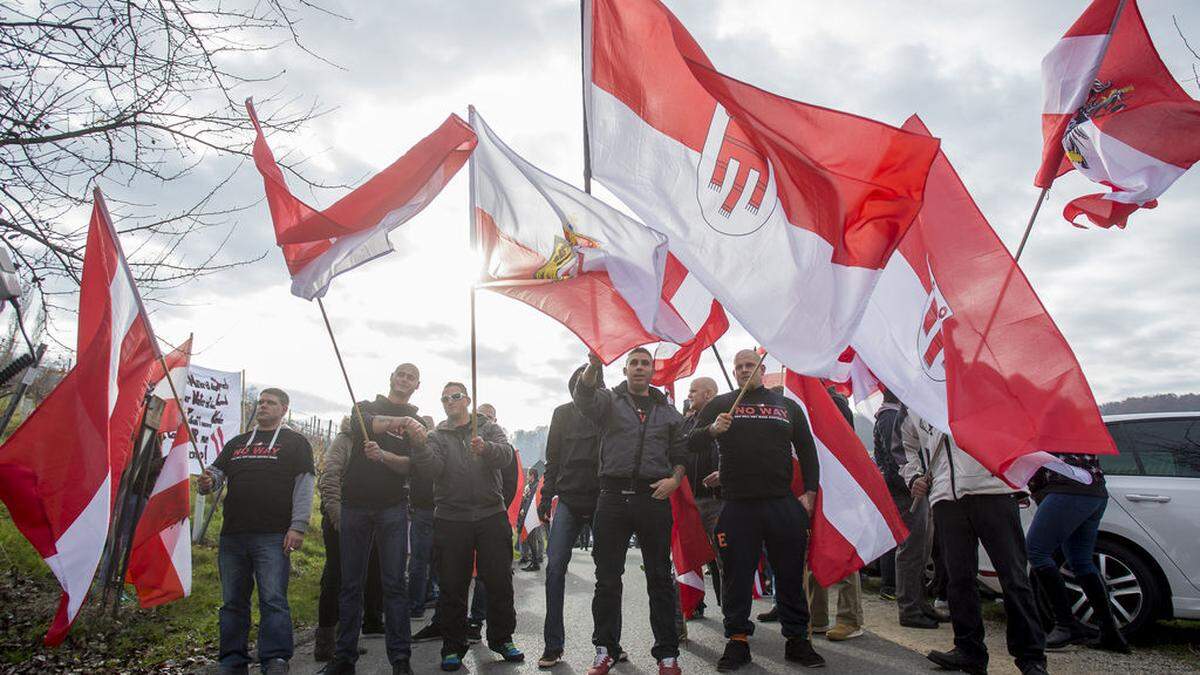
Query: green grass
point(150, 640)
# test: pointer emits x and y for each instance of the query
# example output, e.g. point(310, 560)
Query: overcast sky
point(969, 68)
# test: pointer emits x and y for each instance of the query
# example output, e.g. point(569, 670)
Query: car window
point(1125, 463)
point(1164, 447)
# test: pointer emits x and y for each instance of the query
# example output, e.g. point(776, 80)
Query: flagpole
point(746, 386)
point(721, 365)
point(341, 364)
point(584, 80)
point(474, 397)
point(1029, 226)
point(162, 361)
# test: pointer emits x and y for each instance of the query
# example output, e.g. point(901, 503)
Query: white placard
point(214, 412)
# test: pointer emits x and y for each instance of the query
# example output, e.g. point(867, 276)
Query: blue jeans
point(1066, 521)
point(388, 528)
point(420, 535)
point(245, 560)
point(564, 530)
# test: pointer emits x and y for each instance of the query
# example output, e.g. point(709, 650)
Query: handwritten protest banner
point(214, 412)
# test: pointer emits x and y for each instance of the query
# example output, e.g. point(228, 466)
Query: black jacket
point(887, 447)
point(701, 462)
point(572, 461)
point(365, 483)
point(756, 451)
point(633, 454)
point(466, 488)
point(1046, 482)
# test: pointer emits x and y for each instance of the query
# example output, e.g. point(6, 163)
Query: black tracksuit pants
point(618, 517)
point(744, 527)
point(331, 582)
point(994, 521)
point(484, 545)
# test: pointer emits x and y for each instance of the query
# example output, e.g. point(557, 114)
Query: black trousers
point(745, 526)
point(483, 545)
point(994, 521)
point(331, 583)
point(619, 517)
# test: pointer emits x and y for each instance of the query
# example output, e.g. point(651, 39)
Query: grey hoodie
point(465, 488)
point(630, 450)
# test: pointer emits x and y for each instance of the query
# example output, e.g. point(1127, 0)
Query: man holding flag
point(756, 441)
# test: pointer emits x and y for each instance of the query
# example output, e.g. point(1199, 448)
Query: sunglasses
point(456, 396)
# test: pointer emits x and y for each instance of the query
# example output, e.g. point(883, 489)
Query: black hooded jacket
point(572, 459)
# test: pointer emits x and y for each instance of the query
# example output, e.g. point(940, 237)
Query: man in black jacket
point(702, 473)
point(466, 457)
point(756, 443)
point(572, 458)
point(642, 458)
point(375, 509)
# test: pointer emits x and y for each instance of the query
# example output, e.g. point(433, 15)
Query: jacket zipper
point(950, 461)
point(637, 456)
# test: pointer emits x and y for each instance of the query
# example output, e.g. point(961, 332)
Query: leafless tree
point(132, 94)
point(1195, 78)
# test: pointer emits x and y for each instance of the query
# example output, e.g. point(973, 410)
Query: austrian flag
point(1113, 112)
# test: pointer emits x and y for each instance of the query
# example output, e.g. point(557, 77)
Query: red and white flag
point(514, 507)
point(690, 548)
point(855, 520)
point(160, 557)
point(703, 315)
point(1115, 113)
point(532, 520)
point(595, 270)
point(758, 194)
point(319, 245)
point(59, 470)
point(957, 333)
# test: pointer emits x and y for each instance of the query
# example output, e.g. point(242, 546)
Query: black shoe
point(935, 614)
point(336, 667)
point(531, 567)
point(372, 628)
point(1035, 669)
point(920, 622)
point(1075, 633)
point(800, 650)
point(737, 654)
point(402, 668)
point(428, 634)
point(956, 660)
point(698, 613)
point(769, 617)
point(474, 632)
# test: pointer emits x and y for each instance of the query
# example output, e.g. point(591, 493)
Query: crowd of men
point(413, 513)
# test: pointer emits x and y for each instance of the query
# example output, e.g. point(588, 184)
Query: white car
point(1148, 548)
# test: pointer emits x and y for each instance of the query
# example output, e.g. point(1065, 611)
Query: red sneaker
point(672, 669)
point(602, 664)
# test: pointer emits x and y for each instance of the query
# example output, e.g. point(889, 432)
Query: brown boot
point(323, 649)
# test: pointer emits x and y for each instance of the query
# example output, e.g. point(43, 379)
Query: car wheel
point(1132, 588)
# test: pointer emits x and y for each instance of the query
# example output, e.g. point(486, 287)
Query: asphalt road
point(868, 654)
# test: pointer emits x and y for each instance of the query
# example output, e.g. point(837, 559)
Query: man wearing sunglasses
point(375, 508)
point(643, 452)
point(465, 457)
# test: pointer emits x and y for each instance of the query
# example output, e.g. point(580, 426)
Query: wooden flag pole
point(721, 365)
point(341, 364)
point(1029, 226)
point(746, 386)
point(474, 423)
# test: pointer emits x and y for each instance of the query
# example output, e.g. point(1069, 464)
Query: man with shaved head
point(702, 472)
point(375, 496)
point(756, 440)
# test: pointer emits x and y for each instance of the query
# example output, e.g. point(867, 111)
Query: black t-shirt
point(643, 404)
point(756, 451)
point(260, 480)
